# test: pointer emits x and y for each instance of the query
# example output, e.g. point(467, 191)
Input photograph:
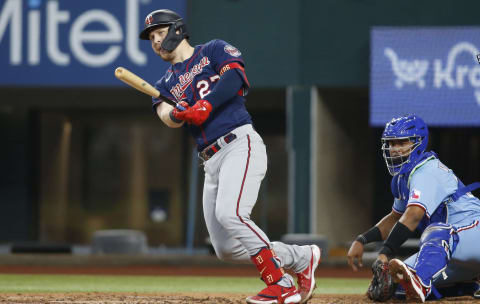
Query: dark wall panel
point(17, 195)
point(266, 32)
point(325, 43)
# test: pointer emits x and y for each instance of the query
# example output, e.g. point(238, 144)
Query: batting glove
point(197, 114)
point(174, 113)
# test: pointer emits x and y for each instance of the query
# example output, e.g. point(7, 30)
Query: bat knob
point(119, 72)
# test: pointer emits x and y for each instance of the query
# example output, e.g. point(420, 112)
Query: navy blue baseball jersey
point(194, 78)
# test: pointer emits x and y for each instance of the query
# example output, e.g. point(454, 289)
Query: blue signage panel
point(76, 43)
point(432, 72)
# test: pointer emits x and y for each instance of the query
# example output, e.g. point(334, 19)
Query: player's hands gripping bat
point(382, 286)
point(176, 111)
point(138, 83)
point(196, 114)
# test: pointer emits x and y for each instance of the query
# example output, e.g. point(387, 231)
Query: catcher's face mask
point(396, 152)
point(399, 157)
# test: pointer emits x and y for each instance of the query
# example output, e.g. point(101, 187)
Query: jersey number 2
point(203, 86)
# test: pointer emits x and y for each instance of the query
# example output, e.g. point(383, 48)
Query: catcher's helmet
point(409, 127)
point(165, 17)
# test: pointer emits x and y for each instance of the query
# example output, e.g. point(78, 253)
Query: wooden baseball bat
point(138, 83)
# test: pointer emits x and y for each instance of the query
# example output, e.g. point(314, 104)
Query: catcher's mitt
point(382, 286)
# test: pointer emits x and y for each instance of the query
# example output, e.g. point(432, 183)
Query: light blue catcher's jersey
point(430, 186)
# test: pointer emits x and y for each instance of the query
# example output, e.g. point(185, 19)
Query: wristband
point(399, 234)
point(371, 235)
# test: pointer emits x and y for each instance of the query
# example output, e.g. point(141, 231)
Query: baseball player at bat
point(430, 198)
point(209, 81)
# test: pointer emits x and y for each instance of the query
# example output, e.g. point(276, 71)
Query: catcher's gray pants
point(232, 180)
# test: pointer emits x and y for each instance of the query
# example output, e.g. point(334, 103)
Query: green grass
point(154, 284)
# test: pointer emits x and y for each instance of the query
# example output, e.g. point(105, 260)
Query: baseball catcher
point(430, 198)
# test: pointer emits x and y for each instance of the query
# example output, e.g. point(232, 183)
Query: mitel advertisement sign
point(433, 72)
point(76, 43)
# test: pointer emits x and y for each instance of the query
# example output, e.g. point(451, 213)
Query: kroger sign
point(432, 72)
point(76, 43)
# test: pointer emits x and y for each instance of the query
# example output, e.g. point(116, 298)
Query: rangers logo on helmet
point(233, 51)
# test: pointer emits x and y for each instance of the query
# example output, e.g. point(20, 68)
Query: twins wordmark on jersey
point(185, 80)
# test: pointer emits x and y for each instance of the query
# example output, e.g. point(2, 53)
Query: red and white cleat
point(415, 290)
point(275, 294)
point(306, 278)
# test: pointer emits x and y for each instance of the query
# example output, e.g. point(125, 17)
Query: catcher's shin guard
point(437, 244)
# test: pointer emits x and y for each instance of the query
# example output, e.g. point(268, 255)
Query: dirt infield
point(195, 298)
point(173, 298)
